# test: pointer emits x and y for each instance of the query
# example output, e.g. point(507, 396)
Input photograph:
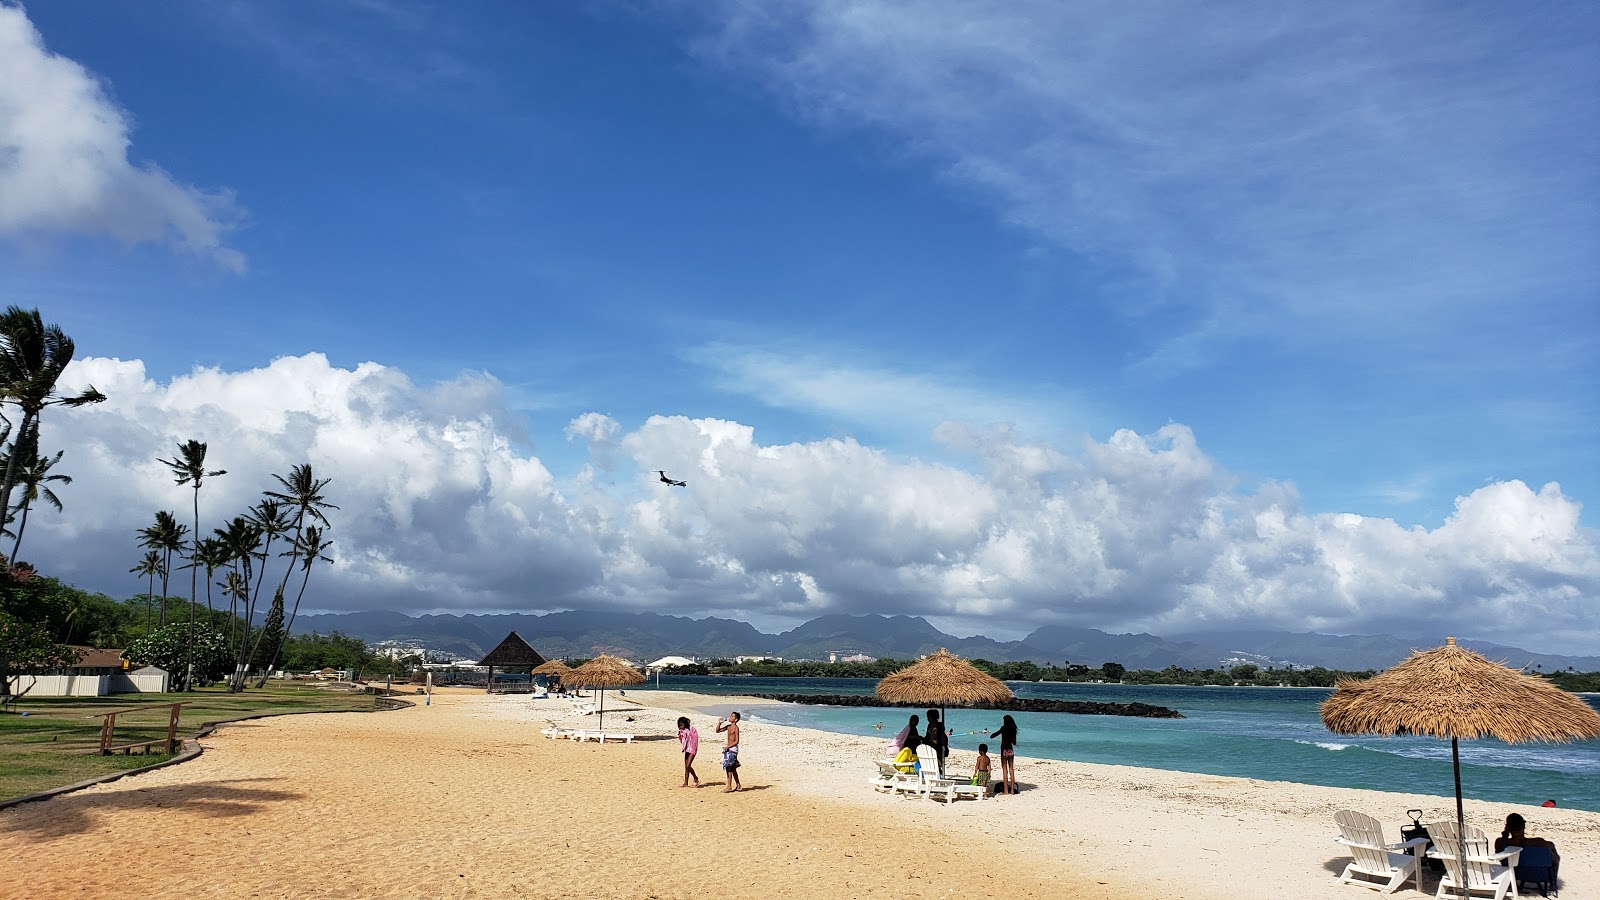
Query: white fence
point(61, 685)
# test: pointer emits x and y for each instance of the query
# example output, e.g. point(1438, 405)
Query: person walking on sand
point(689, 742)
point(1007, 732)
point(730, 751)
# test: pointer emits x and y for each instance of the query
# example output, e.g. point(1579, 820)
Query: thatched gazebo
point(602, 672)
point(942, 679)
point(511, 653)
point(1452, 692)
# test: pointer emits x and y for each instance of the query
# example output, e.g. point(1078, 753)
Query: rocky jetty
point(1015, 704)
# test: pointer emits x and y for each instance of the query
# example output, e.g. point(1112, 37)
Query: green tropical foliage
point(34, 478)
point(32, 357)
point(189, 467)
point(168, 647)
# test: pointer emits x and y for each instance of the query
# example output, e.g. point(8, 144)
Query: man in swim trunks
point(730, 752)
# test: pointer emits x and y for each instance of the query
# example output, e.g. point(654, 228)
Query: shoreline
point(478, 804)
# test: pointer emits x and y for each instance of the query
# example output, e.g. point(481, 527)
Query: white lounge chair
point(886, 777)
point(600, 737)
point(1472, 862)
point(1371, 858)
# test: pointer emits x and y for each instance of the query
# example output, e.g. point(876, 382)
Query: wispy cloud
point(1365, 171)
point(833, 383)
point(393, 50)
point(64, 164)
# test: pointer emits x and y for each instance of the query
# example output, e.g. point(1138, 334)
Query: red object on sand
point(1548, 804)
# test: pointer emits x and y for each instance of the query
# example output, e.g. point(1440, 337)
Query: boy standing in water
point(730, 752)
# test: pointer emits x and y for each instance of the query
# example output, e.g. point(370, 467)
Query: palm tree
point(273, 517)
point(273, 520)
point(32, 358)
point(166, 537)
point(149, 565)
point(302, 492)
point(211, 555)
point(309, 548)
point(189, 467)
point(242, 538)
point(33, 477)
point(236, 589)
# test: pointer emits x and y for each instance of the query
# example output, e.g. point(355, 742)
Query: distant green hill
point(647, 636)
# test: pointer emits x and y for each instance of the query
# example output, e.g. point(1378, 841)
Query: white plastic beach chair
point(939, 787)
point(1371, 858)
point(600, 737)
point(1472, 862)
point(887, 774)
point(557, 731)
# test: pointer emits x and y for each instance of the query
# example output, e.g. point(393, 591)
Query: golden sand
point(464, 798)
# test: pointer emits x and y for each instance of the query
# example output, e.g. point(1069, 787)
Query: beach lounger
point(1371, 858)
point(887, 774)
point(1472, 862)
point(557, 731)
point(592, 734)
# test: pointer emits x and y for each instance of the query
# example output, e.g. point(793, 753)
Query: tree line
point(1024, 670)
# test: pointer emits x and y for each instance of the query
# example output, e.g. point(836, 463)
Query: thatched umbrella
point(602, 672)
point(939, 679)
point(1453, 692)
point(554, 670)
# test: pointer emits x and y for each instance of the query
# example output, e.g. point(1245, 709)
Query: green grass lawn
point(57, 742)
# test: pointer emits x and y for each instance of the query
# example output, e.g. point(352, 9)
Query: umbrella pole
point(1461, 820)
point(603, 723)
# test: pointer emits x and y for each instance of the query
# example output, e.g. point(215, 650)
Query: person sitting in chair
point(1515, 834)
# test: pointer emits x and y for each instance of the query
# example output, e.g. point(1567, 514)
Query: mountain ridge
point(646, 636)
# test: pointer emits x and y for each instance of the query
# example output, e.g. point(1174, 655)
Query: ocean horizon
point(1266, 733)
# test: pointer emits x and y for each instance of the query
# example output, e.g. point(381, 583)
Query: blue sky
point(1350, 252)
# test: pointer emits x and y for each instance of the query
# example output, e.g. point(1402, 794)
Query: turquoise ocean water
point(1273, 734)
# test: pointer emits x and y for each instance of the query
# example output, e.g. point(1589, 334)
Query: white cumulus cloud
point(439, 509)
point(64, 165)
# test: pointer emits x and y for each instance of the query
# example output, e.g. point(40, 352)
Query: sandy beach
point(464, 798)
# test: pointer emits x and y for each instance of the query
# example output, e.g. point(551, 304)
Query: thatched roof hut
point(511, 653)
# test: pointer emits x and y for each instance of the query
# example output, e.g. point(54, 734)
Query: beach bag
point(1418, 830)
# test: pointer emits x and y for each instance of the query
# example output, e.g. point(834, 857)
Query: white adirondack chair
point(940, 787)
point(1472, 864)
point(1371, 858)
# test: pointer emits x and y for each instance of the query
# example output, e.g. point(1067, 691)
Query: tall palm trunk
point(22, 525)
point(28, 419)
point(288, 629)
point(194, 574)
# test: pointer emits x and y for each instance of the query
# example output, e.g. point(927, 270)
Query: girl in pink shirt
point(689, 741)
